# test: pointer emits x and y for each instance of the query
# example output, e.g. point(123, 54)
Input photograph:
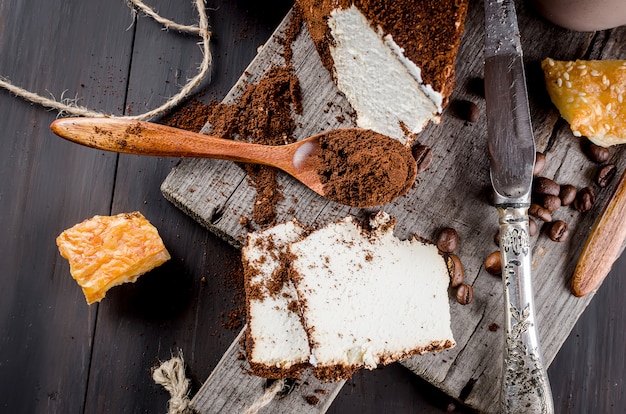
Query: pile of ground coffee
point(262, 114)
point(363, 168)
point(191, 117)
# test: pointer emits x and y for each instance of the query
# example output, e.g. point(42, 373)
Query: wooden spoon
point(300, 159)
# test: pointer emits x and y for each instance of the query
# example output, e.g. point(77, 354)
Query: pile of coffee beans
point(448, 243)
point(548, 196)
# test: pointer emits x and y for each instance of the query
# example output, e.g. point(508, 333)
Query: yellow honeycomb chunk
point(106, 251)
point(591, 96)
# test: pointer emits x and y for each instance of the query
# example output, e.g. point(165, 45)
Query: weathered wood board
point(450, 193)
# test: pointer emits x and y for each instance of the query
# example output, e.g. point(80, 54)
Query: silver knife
point(525, 385)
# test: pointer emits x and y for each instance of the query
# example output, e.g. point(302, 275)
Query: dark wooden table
point(57, 354)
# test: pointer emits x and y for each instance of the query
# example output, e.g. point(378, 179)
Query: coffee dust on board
point(354, 170)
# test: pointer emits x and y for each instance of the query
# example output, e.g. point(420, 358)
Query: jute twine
point(171, 375)
point(267, 397)
point(69, 106)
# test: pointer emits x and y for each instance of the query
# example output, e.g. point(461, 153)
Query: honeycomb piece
point(590, 95)
point(106, 251)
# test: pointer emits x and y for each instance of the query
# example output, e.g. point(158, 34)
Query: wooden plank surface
point(57, 355)
point(450, 193)
point(185, 303)
point(46, 330)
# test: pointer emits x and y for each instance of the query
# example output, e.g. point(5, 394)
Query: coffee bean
point(551, 203)
point(455, 268)
point(605, 175)
point(447, 240)
point(496, 238)
point(594, 152)
point(532, 227)
point(558, 231)
point(467, 110)
point(567, 194)
point(473, 112)
point(546, 186)
point(423, 156)
point(540, 212)
point(493, 263)
point(584, 200)
point(540, 163)
point(464, 294)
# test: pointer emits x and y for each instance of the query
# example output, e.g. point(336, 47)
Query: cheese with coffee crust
point(393, 60)
point(369, 298)
point(364, 298)
point(383, 86)
point(276, 343)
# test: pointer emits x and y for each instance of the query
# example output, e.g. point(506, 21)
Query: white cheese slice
point(279, 339)
point(383, 86)
point(370, 298)
point(364, 297)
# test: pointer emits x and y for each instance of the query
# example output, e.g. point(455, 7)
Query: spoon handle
point(146, 138)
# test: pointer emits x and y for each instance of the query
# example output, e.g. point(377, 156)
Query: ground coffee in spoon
point(363, 168)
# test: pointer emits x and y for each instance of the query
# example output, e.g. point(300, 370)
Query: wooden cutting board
point(450, 193)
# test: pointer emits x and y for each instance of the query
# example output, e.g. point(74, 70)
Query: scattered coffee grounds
point(135, 129)
point(494, 327)
point(362, 168)
point(262, 114)
point(234, 318)
point(312, 399)
point(191, 117)
point(235, 314)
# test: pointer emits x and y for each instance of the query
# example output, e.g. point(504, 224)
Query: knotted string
point(171, 375)
point(267, 397)
point(69, 107)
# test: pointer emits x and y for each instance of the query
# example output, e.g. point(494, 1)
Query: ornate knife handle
point(525, 385)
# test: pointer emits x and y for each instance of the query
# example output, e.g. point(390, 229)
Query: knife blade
point(524, 384)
